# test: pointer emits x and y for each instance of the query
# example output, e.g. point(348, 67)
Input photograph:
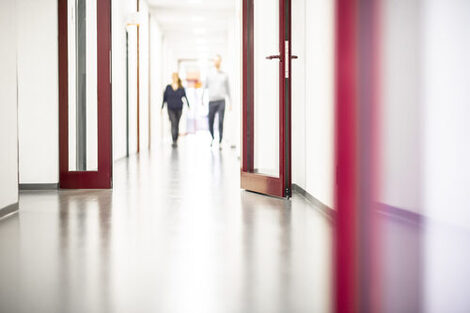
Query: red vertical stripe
point(357, 284)
point(346, 155)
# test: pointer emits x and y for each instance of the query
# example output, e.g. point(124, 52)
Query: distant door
point(266, 164)
point(85, 133)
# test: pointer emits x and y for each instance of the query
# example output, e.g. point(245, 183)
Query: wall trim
point(383, 208)
point(400, 214)
point(9, 209)
point(317, 204)
point(39, 186)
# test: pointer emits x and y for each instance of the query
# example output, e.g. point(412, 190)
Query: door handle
point(271, 57)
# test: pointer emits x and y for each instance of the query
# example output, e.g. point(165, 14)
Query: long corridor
point(176, 234)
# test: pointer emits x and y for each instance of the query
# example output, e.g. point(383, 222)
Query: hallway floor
point(176, 234)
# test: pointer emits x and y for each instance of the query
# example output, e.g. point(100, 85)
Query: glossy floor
point(176, 234)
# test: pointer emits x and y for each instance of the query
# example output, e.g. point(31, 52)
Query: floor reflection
point(176, 234)
point(400, 269)
point(266, 254)
point(84, 241)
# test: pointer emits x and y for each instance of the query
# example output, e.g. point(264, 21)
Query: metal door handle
point(271, 57)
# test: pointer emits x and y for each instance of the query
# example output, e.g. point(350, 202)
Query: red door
point(85, 138)
point(266, 155)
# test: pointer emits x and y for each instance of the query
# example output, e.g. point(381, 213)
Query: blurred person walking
point(217, 85)
point(173, 97)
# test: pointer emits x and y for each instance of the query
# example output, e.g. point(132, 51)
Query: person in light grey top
point(217, 86)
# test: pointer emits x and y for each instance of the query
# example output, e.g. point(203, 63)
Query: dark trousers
point(217, 107)
point(175, 116)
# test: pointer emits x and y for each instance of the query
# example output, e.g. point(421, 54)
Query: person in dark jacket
point(173, 97)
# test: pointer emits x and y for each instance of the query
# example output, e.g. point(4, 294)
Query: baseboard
point(317, 204)
point(391, 211)
point(9, 209)
point(119, 159)
point(400, 214)
point(38, 186)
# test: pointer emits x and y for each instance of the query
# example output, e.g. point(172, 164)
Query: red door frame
point(275, 186)
point(102, 178)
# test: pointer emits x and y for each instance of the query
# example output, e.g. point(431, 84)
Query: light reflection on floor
point(176, 234)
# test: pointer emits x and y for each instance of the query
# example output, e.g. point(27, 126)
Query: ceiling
point(194, 28)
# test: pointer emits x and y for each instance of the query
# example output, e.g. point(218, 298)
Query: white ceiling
point(194, 28)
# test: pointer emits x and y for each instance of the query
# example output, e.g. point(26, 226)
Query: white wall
point(400, 118)
point(38, 91)
point(425, 108)
point(313, 102)
point(8, 106)
point(144, 78)
point(234, 70)
point(298, 93)
point(157, 80)
point(121, 15)
point(446, 99)
point(132, 81)
point(446, 147)
point(120, 10)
